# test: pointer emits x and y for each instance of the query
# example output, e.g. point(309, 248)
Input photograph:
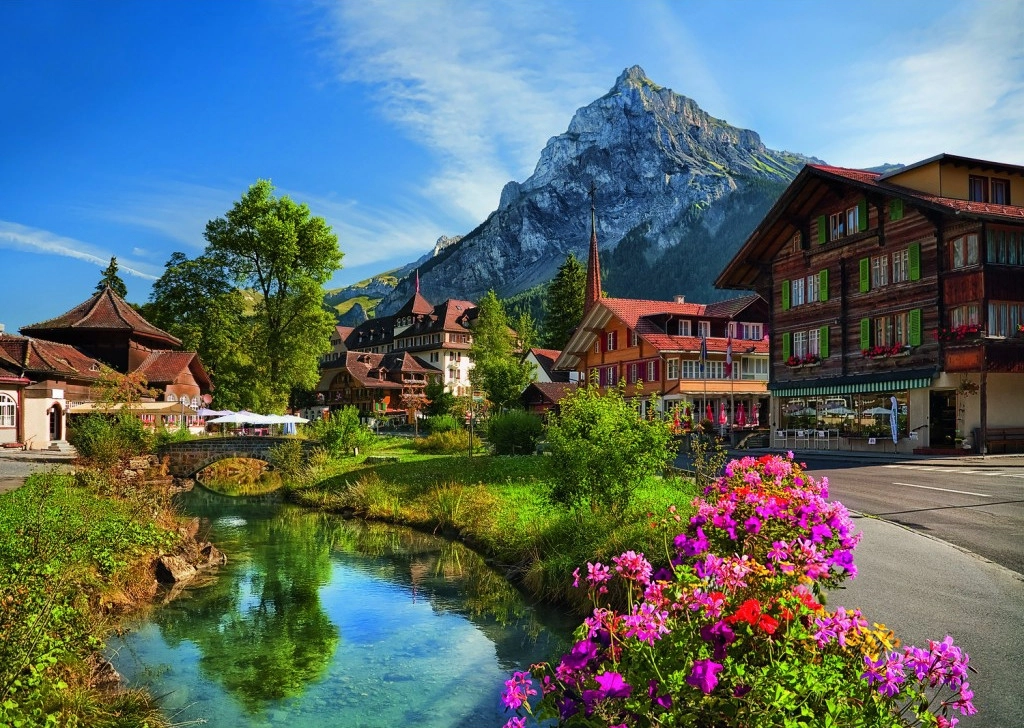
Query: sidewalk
point(949, 461)
point(16, 465)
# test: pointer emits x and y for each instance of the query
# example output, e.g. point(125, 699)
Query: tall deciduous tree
point(497, 368)
point(275, 248)
point(264, 268)
point(563, 308)
point(112, 279)
point(195, 301)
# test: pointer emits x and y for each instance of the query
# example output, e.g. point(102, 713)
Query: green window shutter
point(865, 274)
point(823, 285)
point(787, 345)
point(914, 254)
point(915, 327)
point(865, 333)
point(895, 210)
point(785, 295)
point(822, 230)
point(862, 215)
point(823, 342)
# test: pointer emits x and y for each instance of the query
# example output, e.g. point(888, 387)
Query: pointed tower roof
point(417, 305)
point(593, 294)
point(105, 311)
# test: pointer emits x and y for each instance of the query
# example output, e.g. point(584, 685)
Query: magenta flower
point(580, 655)
point(633, 566)
point(613, 686)
point(516, 722)
point(518, 689)
point(719, 635)
point(704, 675)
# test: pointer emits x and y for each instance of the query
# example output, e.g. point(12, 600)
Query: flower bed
point(885, 352)
point(735, 633)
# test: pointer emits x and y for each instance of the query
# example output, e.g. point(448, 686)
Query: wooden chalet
point(543, 397)
point(903, 287)
point(376, 384)
point(56, 363)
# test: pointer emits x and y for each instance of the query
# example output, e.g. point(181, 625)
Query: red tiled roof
point(38, 356)
point(105, 311)
point(415, 305)
point(1013, 212)
point(366, 368)
point(164, 367)
point(630, 310)
point(444, 317)
point(553, 392)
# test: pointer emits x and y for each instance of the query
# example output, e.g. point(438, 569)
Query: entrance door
point(56, 423)
point(942, 418)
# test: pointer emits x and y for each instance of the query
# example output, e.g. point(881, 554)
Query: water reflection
point(320, 621)
point(240, 477)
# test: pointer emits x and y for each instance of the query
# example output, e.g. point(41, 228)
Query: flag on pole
point(703, 353)
point(728, 359)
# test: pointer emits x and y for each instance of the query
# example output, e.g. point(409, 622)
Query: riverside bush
point(66, 551)
point(341, 433)
point(736, 634)
point(105, 439)
point(603, 449)
point(442, 423)
point(451, 442)
point(514, 433)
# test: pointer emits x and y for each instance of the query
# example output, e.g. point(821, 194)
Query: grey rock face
point(665, 174)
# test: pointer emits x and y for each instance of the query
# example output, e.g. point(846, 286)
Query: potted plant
point(793, 362)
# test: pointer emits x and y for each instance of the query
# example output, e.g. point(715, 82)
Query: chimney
point(679, 298)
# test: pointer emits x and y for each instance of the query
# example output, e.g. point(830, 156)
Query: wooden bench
point(15, 446)
point(1010, 439)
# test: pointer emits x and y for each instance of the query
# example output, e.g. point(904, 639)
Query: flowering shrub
point(879, 352)
point(957, 333)
point(736, 633)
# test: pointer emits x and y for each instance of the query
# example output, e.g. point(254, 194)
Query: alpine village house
point(379, 364)
point(704, 361)
point(896, 306)
point(51, 370)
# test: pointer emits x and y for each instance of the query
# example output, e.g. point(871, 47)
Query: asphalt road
point(978, 509)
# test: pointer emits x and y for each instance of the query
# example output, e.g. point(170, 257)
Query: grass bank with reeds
point(501, 507)
point(75, 549)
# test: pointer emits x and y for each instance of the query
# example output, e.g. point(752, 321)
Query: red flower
point(749, 612)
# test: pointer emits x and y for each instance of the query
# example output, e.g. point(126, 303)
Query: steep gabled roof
point(105, 311)
point(812, 184)
point(164, 367)
point(417, 305)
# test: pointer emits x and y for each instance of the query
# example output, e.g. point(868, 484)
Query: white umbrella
point(876, 411)
point(293, 419)
point(242, 418)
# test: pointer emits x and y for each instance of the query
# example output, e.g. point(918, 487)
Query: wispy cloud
point(483, 86)
point(957, 88)
point(33, 240)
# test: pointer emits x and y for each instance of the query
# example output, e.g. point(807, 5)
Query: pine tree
point(112, 279)
point(563, 309)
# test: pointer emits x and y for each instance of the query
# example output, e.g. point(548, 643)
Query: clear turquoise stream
point(319, 621)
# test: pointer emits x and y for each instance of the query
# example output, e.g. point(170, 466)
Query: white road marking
point(944, 490)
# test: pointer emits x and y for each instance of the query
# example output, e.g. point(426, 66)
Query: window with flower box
point(888, 335)
point(964, 315)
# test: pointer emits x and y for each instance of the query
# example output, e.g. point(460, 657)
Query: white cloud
point(956, 88)
point(33, 240)
point(483, 86)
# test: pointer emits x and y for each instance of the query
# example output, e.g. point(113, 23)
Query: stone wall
point(185, 459)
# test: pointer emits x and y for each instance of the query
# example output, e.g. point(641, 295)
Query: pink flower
point(704, 675)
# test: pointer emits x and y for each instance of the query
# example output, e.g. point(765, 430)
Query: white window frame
point(704, 329)
point(610, 340)
point(755, 367)
point(684, 327)
point(800, 344)
point(796, 287)
point(901, 266)
point(813, 287)
point(8, 411)
point(879, 271)
point(814, 342)
point(752, 331)
point(634, 338)
point(672, 369)
point(651, 366)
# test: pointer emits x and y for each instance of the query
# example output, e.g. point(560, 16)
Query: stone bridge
point(185, 459)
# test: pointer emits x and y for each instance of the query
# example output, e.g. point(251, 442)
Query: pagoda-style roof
point(104, 312)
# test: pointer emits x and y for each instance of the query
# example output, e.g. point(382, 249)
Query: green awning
point(853, 385)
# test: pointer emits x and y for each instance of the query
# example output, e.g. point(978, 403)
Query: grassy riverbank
point(501, 507)
point(75, 548)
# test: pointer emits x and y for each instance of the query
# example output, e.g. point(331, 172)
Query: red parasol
point(741, 416)
point(757, 415)
point(723, 419)
point(710, 413)
point(686, 420)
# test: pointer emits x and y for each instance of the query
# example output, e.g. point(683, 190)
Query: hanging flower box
point(965, 332)
point(793, 362)
point(885, 352)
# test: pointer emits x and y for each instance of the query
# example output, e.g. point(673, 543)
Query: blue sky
point(126, 126)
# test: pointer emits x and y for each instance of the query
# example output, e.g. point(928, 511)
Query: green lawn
point(501, 507)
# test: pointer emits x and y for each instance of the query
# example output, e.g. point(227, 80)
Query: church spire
point(593, 263)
